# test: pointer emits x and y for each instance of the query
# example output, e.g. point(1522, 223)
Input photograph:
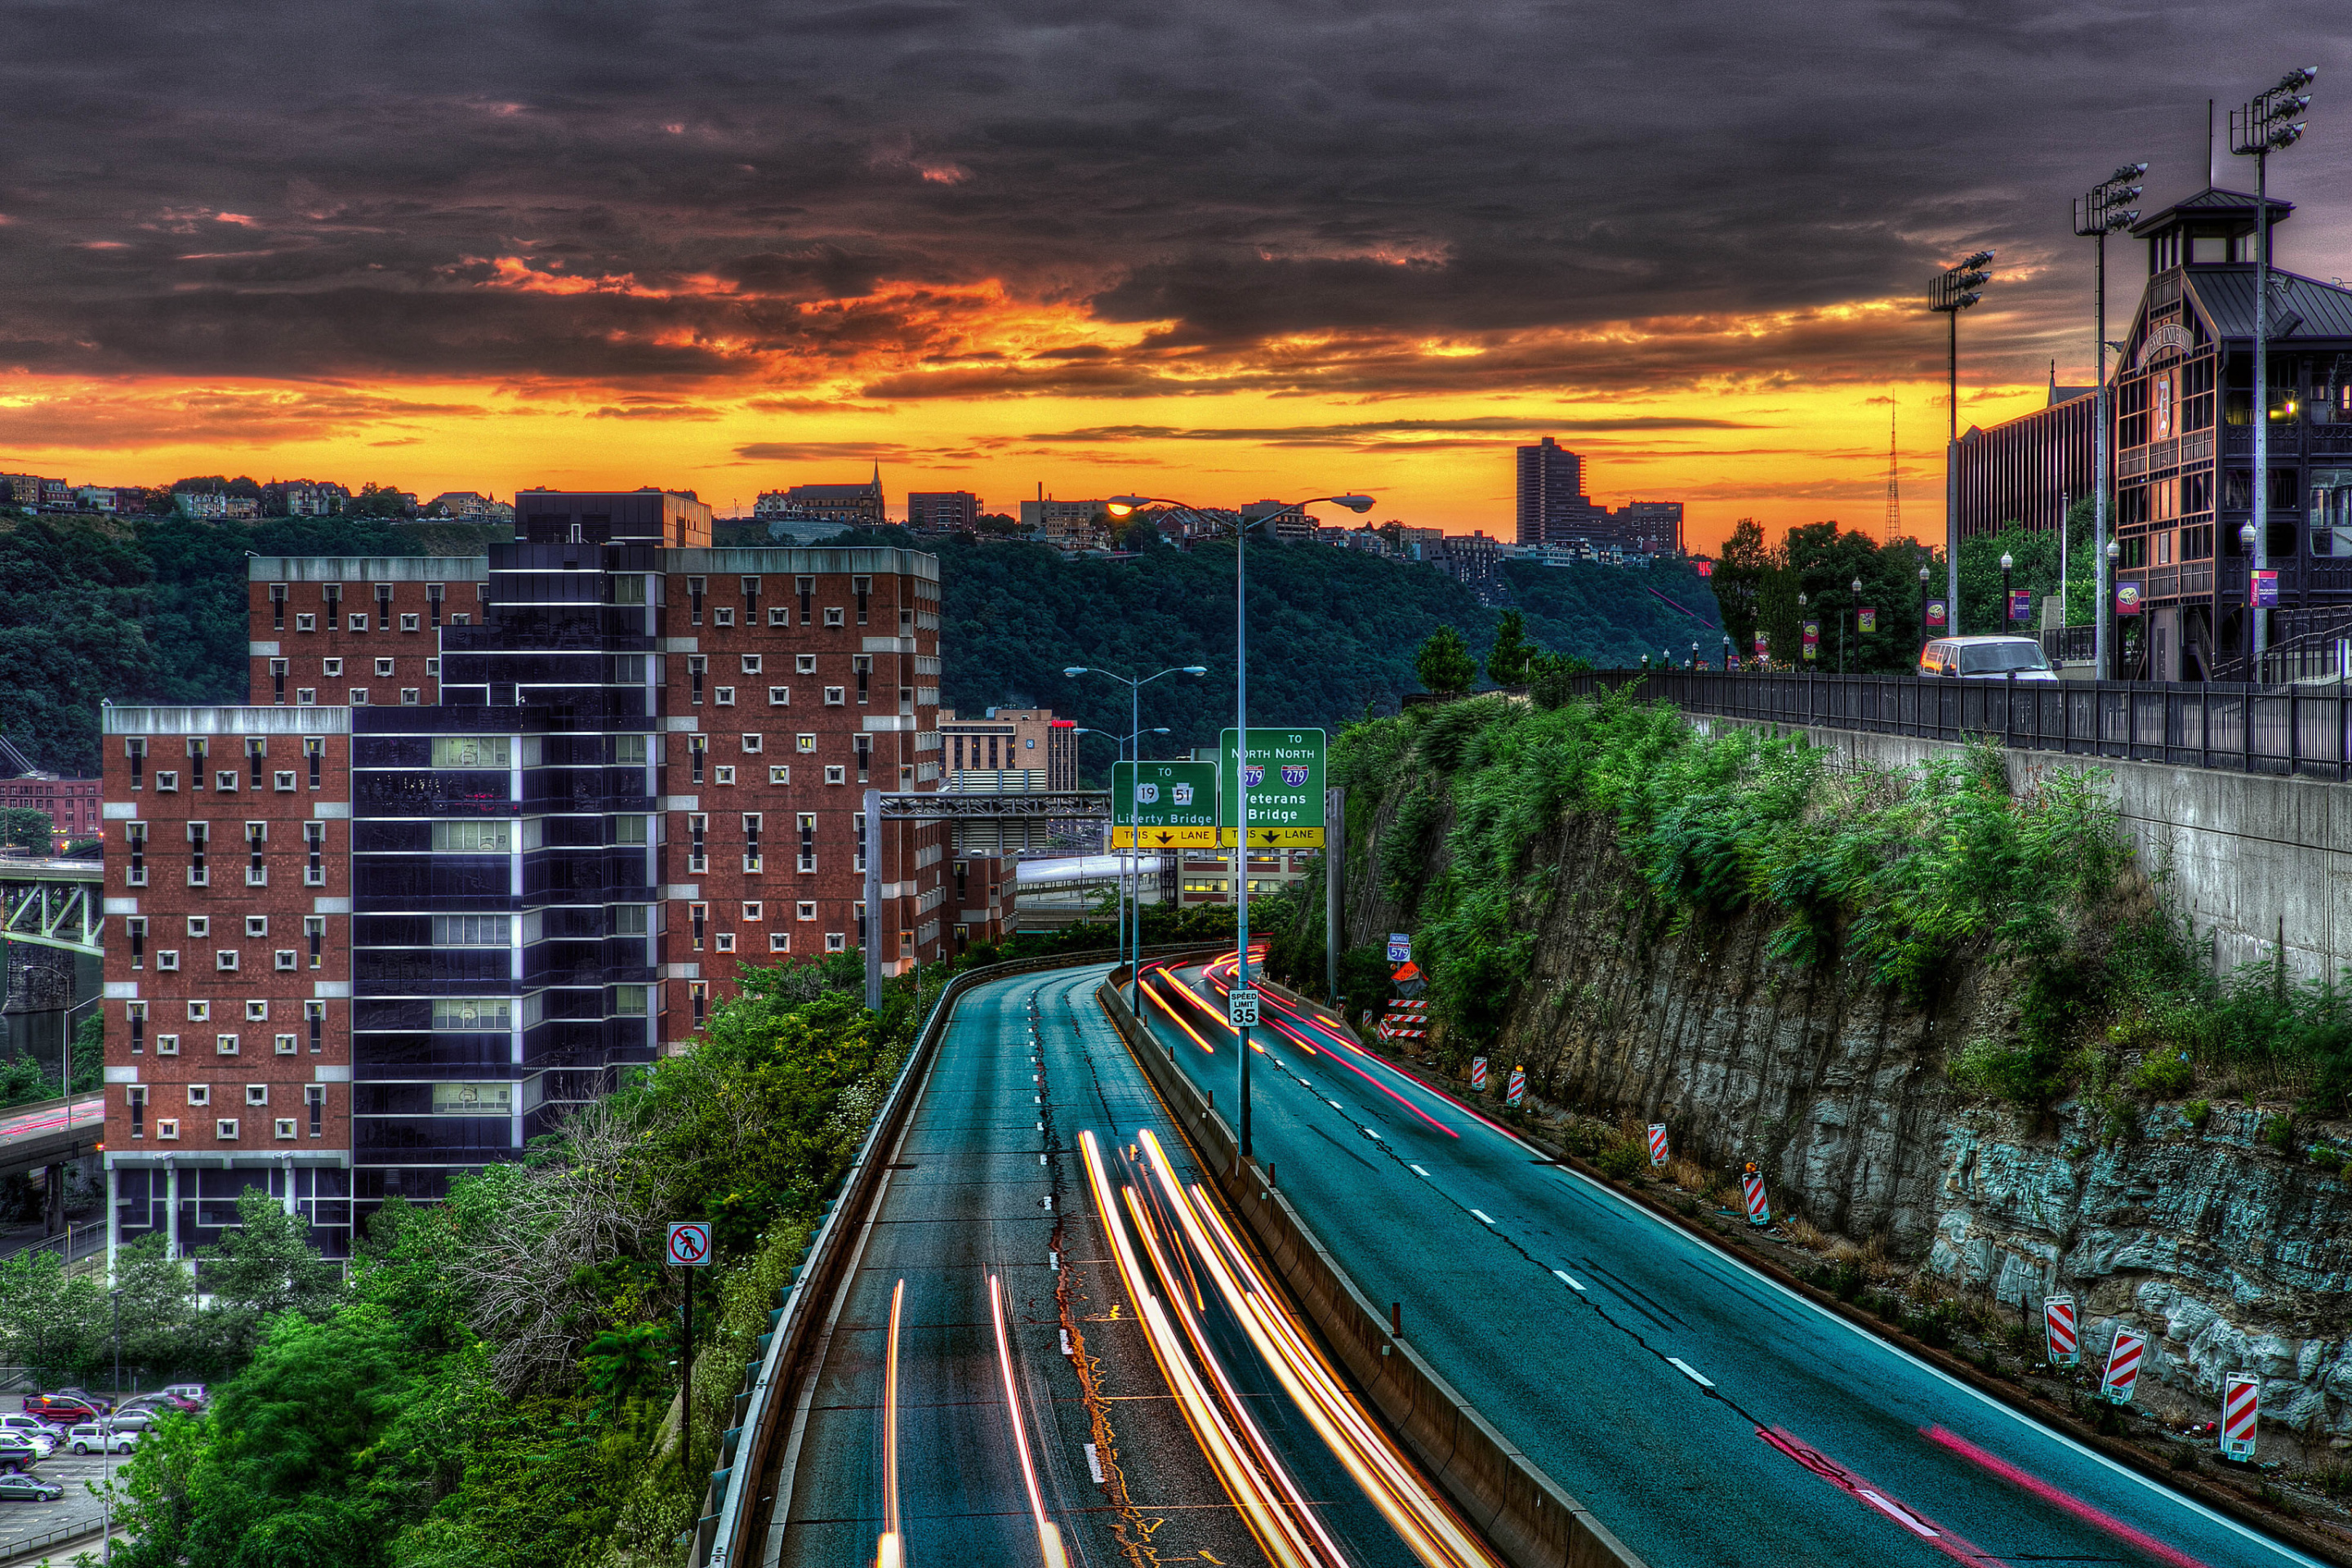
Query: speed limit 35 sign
point(1241, 1007)
point(689, 1244)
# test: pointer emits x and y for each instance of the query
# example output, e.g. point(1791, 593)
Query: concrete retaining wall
point(2252, 859)
point(1523, 1511)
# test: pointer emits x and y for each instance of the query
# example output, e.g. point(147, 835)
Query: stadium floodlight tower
point(1127, 506)
point(2264, 125)
point(2104, 209)
point(1953, 291)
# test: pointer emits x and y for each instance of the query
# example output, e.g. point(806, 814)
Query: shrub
point(1620, 1161)
point(2197, 1112)
point(2165, 1074)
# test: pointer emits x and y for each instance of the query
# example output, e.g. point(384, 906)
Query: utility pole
point(1953, 291)
point(2101, 211)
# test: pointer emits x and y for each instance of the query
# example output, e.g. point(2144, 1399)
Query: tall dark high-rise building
point(1552, 504)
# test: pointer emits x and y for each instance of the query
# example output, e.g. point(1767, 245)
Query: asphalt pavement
point(987, 1181)
point(27, 1529)
point(1705, 1415)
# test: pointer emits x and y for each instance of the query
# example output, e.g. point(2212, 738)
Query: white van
point(1986, 659)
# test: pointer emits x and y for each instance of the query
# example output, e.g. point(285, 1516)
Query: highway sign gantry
point(1163, 805)
point(1280, 788)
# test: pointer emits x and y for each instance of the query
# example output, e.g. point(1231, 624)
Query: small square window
point(750, 908)
point(200, 1012)
point(804, 743)
point(805, 664)
point(167, 959)
point(754, 742)
point(167, 1044)
point(804, 911)
point(835, 941)
point(225, 780)
point(780, 696)
point(750, 664)
point(200, 925)
point(168, 1127)
point(224, 1044)
point(225, 960)
point(835, 696)
point(257, 925)
point(723, 617)
point(288, 959)
point(282, 780)
point(331, 666)
point(725, 774)
point(256, 1094)
point(285, 1124)
point(257, 1010)
point(383, 667)
point(200, 1094)
point(168, 780)
point(360, 621)
point(726, 942)
point(357, 696)
point(779, 615)
point(836, 774)
point(836, 618)
point(433, 668)
point(780, 774)
point(411, 696)
point(409, 623)
point(306, 623)
point(306, 696)
point(225, 1128)
point(288, 1045)
point(780, 941)
point(723, 696)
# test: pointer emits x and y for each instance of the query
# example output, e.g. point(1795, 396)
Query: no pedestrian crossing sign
point(689, 1244)
point(1241, 1007)
point(1280, 787)
point(1163, 805)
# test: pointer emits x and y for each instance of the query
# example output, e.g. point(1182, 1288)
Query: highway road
point(1703, 1413)
point(1006, 1162)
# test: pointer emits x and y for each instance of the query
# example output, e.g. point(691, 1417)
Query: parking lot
point(22, 1524)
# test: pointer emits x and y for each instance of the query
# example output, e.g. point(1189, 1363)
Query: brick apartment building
point(491, 830)
point(72, 805)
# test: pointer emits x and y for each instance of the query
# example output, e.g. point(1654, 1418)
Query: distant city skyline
point(1213, 251)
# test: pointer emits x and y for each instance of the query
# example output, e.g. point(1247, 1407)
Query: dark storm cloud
point(1610, 196)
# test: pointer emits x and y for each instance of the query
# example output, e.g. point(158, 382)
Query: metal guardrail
point(2281, 729)
point(63, 1535)
point(721, 1536)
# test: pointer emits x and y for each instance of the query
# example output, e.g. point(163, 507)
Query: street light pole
point(1134, 737)
point(1120, 506)
point(2265, 125)
point(1953, 291)
point(2100, 212)
point(2007, 560)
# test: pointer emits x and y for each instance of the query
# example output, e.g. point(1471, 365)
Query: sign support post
point(1335, 870)
point(688, 1249)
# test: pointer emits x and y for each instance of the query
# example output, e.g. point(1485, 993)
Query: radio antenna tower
point(1894, 490)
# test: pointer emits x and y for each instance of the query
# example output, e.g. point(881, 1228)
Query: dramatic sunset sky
point(1213, 249)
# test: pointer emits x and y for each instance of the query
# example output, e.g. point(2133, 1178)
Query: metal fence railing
point(2285, 730)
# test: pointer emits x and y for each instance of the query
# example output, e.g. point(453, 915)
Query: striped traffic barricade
point(1405, 1021)
point(2058, 1331)
point(1517, 1090)
point(1478, 1075)
point(1751, 1193)
point(2123, 1365)
point(1657, 1142)
point(2241, 1403)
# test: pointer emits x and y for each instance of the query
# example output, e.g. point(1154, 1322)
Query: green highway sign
point(1163, 805)
point(1283, 782)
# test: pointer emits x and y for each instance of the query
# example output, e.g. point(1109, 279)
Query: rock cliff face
point(2233, 1254)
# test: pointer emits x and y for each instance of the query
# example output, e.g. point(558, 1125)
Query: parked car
point(159, 1404)
point(100, 1437)
point(59, 1409)
point(18, 1487)
point(102, 1406)
point(1986, 659)
point(41, 1433)
point(132, 1418)
point(194, 1393)
point(18, 1453)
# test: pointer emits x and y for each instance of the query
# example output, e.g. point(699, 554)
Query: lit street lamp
point(2109, 613)
point(2246, 535)
point(2007, 560)
point(1122, 506)
point(1953, 291)
point(1134, 711)
point(1857, 628)
point(2104, 209)
point(2266, 124)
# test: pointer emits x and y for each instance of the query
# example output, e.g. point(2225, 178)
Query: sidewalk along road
point(1703, 1413)
point(1099, 1426)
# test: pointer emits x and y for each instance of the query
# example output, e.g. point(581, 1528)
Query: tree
point(24, 826)
point(1508, 661)
point(266, 1265)
point(1443, 663)
point(377, 501)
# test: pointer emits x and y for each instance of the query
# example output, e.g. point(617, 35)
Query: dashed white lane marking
point(1416, 1169)
point(1894, 1511)
point(1688, 1370)
point(1566, 1280)
point(1094, 1463)
point(1335, 1105)
point(1487, 1218)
